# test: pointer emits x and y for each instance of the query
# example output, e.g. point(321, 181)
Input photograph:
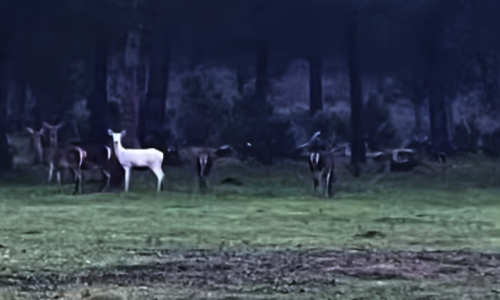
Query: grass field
point(424, 235)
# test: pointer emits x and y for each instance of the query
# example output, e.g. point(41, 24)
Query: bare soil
point(290, 271)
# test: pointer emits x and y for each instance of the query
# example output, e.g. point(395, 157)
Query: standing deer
point(97, 155)
point(321, 164)
point(322, 167)
point(203, 158)
point(58, 158)
point(130, 158)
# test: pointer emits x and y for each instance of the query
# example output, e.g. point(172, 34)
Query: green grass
point(42, 228)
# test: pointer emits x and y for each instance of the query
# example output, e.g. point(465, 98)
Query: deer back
point(320, 160)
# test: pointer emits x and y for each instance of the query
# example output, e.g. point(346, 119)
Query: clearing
point(426, 235)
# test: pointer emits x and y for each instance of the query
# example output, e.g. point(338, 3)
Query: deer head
point(52, 129)
point(36, 140)
point(117, 137)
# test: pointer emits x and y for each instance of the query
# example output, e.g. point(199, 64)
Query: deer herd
point(76, 157)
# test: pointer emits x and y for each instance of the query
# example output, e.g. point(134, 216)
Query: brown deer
point(321, 163)
point(322, 167)
point(58, 158)
point(97, 156)
point(201, 157)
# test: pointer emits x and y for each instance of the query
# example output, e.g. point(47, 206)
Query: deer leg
point(159, 175)
point(106, 177)
point(51, 171)
point(58, 175)
point(80, 180)
point(75, 179)
point(127, 177)
point(202, 183)
point(315, 185)
point(328, 184)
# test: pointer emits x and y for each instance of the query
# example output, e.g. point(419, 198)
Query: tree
point(432, 22)
point(7, 9)
point(159, 34)
point(358, 151)
point(314, 51)
point(98, 102)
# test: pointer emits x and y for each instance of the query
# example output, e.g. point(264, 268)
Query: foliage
point(253, 122)
point(466, 136)
point(491, 143)
point(378, 125)
point(206, 105)
point(334, 127)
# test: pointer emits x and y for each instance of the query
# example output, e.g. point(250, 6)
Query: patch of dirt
point(276, 270)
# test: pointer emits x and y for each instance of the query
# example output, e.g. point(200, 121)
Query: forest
point(390, 106)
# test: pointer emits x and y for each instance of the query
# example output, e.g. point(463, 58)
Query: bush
point(378, 125)
point(491, 143)
point(253, 122)
point(207, 105)
point(334, 128)
point(466, 138)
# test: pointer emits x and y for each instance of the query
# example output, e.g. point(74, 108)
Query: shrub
point(378, 126)
point(207, 104)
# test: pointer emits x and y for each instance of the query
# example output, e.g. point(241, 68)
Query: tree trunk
point(315, 83)
point(131, 99)
point(153, 114)
point(449, 117)
point(5, 155)
point(418, 96)
point(358, 151)
point(21, 96)
point(438, 118)
point(262, 76)
point(98, 104)
point(117, 171)
point(419, 118)
point(436, 62)
point(131, 102)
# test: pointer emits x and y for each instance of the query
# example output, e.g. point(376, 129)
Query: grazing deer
point(203, 158)
point(58, 158)
point(130, 158)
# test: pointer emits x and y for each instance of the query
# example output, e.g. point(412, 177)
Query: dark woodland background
point(271, 72)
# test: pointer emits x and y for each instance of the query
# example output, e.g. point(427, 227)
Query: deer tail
point(81, 155)
point(108, 151)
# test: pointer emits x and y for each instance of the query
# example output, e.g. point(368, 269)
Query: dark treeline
point(99, 64)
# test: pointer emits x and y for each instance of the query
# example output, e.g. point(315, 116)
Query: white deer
point(129, 158)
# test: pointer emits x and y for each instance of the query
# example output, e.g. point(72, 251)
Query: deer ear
point(110, 132)
point(124, 132)
point(45, 124)
point(41, 131)
point(29, 130)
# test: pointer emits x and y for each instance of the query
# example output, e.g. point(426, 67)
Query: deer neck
point(119, 150)
point(39, 154)
point(38, 151)
point(49, 153)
